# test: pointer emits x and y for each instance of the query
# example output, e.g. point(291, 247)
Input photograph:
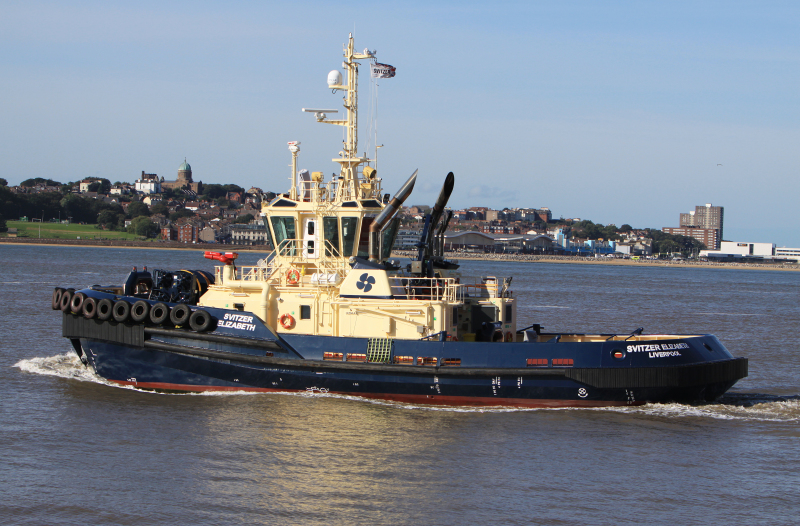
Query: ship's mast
point(349, 159)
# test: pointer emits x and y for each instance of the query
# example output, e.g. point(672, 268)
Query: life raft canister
point(287, 322)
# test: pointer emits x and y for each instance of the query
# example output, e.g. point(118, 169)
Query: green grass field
point(59, 231)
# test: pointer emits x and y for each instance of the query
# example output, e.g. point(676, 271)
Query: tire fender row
point(122, 311)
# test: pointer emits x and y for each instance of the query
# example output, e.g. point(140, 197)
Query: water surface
point(80, 451)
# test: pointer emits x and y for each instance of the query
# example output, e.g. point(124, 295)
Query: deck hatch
point(380, 350)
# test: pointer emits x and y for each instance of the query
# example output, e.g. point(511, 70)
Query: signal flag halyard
point(382, 71)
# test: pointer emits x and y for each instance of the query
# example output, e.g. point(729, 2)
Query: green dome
point(185, 167)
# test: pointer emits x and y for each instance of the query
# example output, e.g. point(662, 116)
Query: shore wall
point(522, 258)
point(532, 258)
point(122, 243)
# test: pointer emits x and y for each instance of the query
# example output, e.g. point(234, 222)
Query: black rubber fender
point(159, 313)
point(66, 299)
point(76, 304)
point(200, 321)
point(57, 298)
point(105, 309)
point(179, 315)
point(140, 311)
point(121, 311)
point(89, 308)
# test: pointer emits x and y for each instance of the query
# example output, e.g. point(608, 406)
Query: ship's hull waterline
point(177, 360)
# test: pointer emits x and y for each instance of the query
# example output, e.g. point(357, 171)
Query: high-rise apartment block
point(707, 216)
point(704, 224)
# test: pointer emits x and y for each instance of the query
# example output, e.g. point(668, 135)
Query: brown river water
point(77, 450)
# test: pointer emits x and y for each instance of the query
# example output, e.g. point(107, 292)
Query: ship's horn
point(387, 214)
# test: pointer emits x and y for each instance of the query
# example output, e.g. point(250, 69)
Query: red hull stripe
point(475, 401)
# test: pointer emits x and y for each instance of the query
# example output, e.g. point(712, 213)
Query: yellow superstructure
point(328, 274)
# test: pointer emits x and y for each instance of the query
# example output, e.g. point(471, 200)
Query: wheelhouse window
point(330, 229)
point(363, 239)
point(285, 234)
point(349, 230)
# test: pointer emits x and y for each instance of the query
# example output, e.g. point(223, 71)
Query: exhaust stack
point(387, 214)
point(438, 208)
point(440, 233)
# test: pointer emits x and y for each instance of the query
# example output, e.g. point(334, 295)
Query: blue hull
point(248, 356)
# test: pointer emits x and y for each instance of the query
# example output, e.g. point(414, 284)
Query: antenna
point(319, 114)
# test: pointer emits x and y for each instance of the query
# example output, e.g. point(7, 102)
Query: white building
point(788, 253)
point(148, 184)
point(737, 248)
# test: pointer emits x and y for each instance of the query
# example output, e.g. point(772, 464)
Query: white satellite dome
point(334, 78)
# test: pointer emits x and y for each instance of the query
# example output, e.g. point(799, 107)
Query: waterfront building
point(251, 234)
point(735, 250)
point(406, 239)
point(787, 253)
point(710, 237)
point(706, 217)
point(187, 233)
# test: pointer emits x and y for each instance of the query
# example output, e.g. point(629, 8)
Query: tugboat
point(328, 311)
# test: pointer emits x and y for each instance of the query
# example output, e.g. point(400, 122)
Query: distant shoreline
point(519, 258)
point(118, 243)
point(531, 258)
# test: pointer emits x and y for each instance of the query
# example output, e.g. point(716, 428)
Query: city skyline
point(617, 113)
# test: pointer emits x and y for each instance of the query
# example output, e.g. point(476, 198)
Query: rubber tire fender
point(66, 299)
point(77, 302)
point(200, 321)
point(179, 315)
point(105, 308)
point(89, 308)
point(57, 298)
point(121, 311)
point(140, 311)
point(159, 313)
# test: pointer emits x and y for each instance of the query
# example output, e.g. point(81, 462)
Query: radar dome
point(334, 78)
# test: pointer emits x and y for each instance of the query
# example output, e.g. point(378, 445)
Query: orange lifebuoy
point(293, 276)
point(287, 322)
point(509, 336)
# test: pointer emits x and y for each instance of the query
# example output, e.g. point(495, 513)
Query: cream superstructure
point(328, 274)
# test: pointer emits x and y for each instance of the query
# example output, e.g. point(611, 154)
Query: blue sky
point(619, 112)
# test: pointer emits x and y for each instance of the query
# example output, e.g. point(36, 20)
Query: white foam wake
point(768, 409)
point(66, 365)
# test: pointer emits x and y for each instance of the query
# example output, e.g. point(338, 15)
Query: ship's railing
point(489, 287)
point(326, 192)
point(249, 274)
point(289, 255)
point(433, 289)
